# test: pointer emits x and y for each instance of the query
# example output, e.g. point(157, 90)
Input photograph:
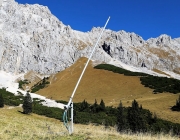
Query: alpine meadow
point(60, 83)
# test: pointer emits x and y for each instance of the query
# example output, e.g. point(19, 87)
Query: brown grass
point(111, 87)
point(136, 49)
point(160, 53)
point(160, 72)
point(82, 45)
point(17, 126)
point(177, 70)
point(33, 78)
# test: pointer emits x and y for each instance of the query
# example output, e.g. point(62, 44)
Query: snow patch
point(8, 81)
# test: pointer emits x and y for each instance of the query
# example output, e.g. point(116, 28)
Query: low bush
point(23, 82)
point(40, 85)
point(177, 106)
point(119, 70)
point(10, 98)
point(51, 112)
point(161, 84)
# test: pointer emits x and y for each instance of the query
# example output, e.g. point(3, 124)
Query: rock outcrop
point(31, 38)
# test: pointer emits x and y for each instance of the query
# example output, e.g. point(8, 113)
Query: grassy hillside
point(159, 84)
point(111, 87)
point(17, 126)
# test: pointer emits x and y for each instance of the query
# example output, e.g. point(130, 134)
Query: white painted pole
point(70, 100)
point(71, 125)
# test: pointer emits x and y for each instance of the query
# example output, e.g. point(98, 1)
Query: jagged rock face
point(31, 38)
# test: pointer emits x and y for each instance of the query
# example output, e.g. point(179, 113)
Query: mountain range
point(31, 38)
point(34, 43)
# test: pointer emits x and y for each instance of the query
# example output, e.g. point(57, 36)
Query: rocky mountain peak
point(31, 38)
point(161, 40)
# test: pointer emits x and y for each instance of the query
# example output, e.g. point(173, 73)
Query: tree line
point(133, 118)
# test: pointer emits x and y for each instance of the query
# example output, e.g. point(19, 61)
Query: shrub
point(10, 98)
point(40, 85)
point(1, 101)
point(118, 70)
point(23, 82)
point(177, 106)
point(51, 112)
point(161, 84)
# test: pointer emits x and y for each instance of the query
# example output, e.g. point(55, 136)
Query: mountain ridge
point(34, 39)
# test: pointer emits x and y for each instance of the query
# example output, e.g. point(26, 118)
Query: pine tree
point(27, 104)
point(135, 118)
point(1, 101)
point(102, 105)
point(84, 106)
point(178, 103)
point(121, 119)
point(177, 106)
point(94, 107)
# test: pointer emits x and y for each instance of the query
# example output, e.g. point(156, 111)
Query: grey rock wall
point(31, 38)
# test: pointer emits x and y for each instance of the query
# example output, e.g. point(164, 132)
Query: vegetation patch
point(10, 99)
point(134, 118)
point(1, 101)
point(98, 114)
point(119, 70)
point(40, 85)
point(159, 84)
point(177, 106)
point(22, 83)
point(51, 112)
point(16, 126)
point(137, 119)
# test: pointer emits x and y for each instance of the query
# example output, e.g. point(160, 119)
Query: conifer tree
point(177, 106)
point(102, 105)
point(121, 119)
point(94, 107)
point(27, 104)
point(84, 106)
point(178, 103)
point(135, 118)
point(1, 101)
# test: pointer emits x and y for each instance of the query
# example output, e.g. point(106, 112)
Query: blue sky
point(147, 18)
